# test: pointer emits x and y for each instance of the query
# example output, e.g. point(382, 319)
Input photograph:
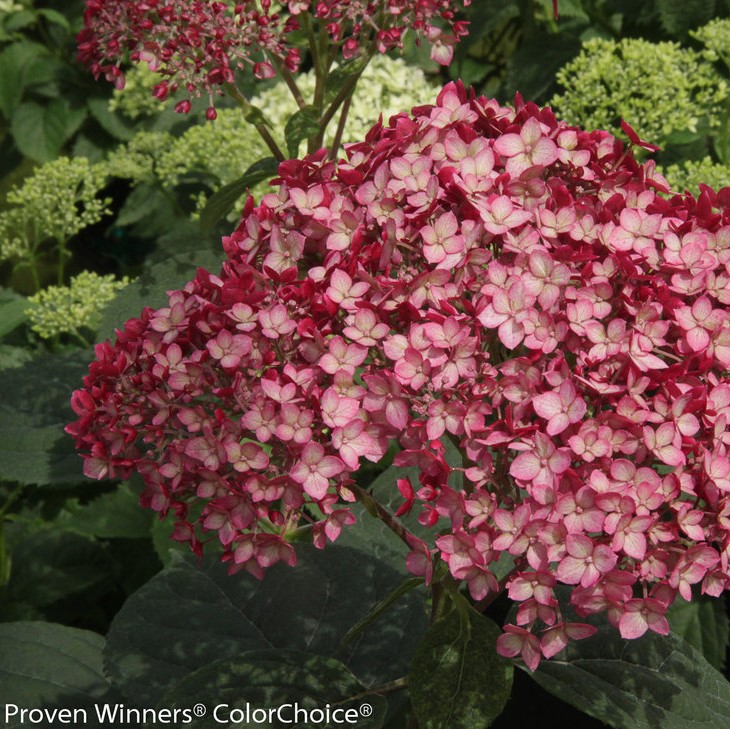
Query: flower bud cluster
point(472, 272)
point(197, 47)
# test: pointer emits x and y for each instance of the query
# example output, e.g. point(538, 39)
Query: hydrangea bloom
point(224, 148)
point(474, 272)
point(198, 46)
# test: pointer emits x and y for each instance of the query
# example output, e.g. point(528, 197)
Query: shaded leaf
point(54, 17)
point(268, 679)
point(110, 121)
point(654, 682)
point(49, 665)
point(678, 17)
point(48, 565)
point(15, 63)
point(704, 624)
point(151, 288)
point(189, 616)
point(221, 202)
point(115, 515)
point(12, 310)
point(34, 408)
point(457, 680)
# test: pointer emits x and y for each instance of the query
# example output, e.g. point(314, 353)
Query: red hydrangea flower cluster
point(198, 45)
point(472, 272)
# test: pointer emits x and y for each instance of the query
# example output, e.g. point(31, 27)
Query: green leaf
point(55, 18)
point(568, 9)
point(15, 62)
point(704, 624)
point(531, 70)
point(40, 131)
point(301, 125)
point(49, 665)
point(654, 681)
point(19, 20)
point(343, 73)
point(145, 200)
point(11, 356)
point(12, 310)
point(221, 202)
point(115, 515)
point(165, 548)
point(110, 121)
point(678, 17)
point(373, 536)
point(457, 680)
point(268, 679)
point(151, 288)
point(34, 408)
point(51, 564)
point(190, 615)
point(254, 115)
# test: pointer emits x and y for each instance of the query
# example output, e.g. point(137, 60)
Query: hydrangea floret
point(197, 47)
point(475, 272)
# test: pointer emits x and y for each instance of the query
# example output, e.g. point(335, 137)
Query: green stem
point(345, 92)
point(63, 255)
point(264, 133)
point(14, 494)
point(377, 510)
point(384, 688)
point(290, 81)
point(337, 141)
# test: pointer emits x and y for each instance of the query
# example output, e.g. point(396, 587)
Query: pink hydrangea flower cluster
point(472, 272)
point(198, 46)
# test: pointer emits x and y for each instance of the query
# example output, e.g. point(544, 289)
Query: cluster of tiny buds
point(471, 272)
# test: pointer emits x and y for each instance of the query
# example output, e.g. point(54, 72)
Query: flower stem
point(290, 81)
point(379, 511)
point(264, 133)
point(337, 141)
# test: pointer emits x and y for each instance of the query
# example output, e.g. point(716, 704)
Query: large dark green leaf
point(48, 565)
point(43, 665)
point(257, 681)
point(703, 623)
point(457, 680)
point(190, 615)
point(114, 515)
point(221, 202)
point(34, 408)
point(654, 682)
